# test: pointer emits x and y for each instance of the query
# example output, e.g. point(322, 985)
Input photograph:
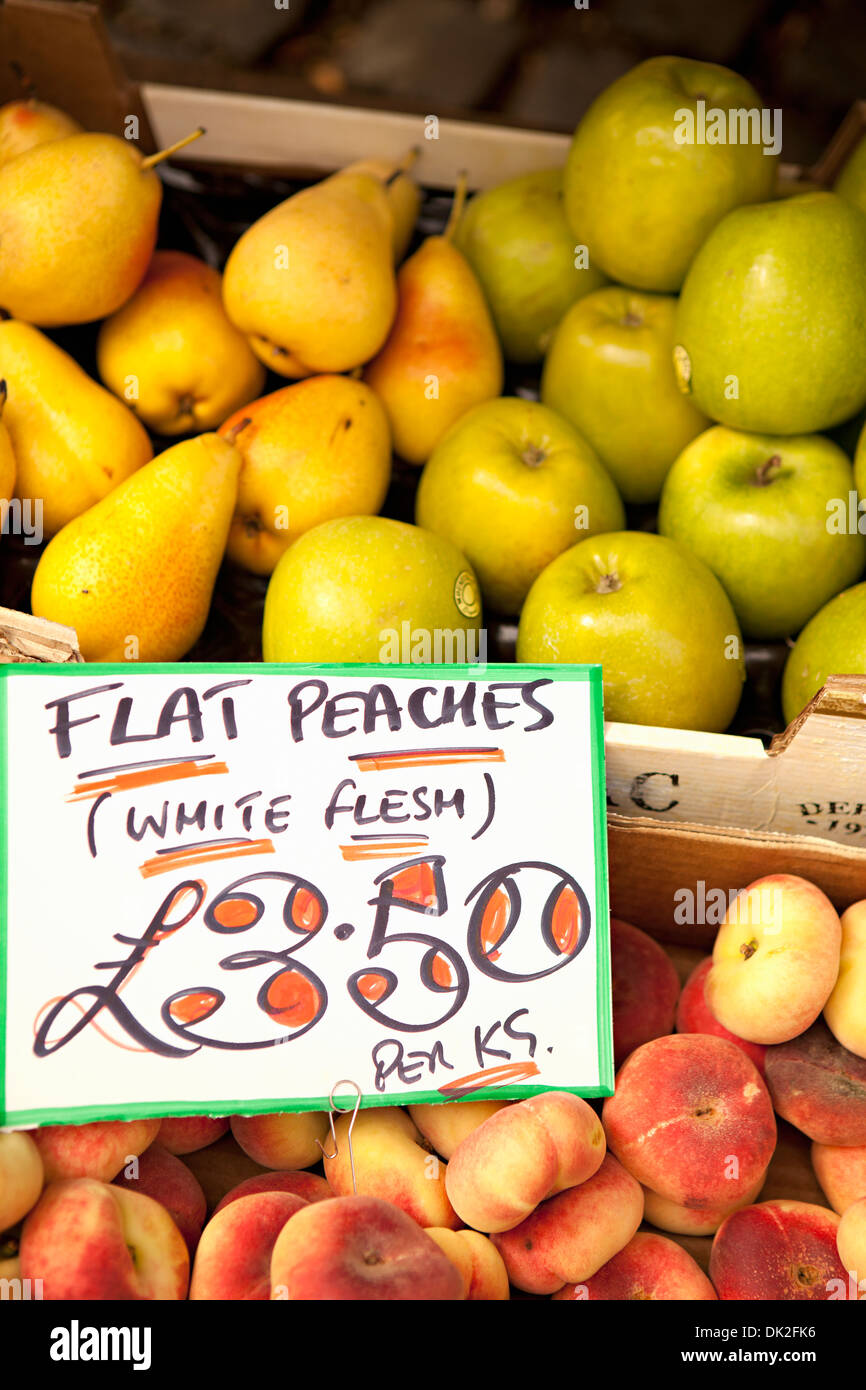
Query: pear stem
point(2, 396)
point(235, 430)
point(24, 80)
point(456, 206)
point(403, 166)
point(157, 158)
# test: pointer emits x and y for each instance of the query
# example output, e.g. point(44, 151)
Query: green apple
point(609, 371)
point(520, 246)
point(365, 588)
point(512, 485)
point(764, 513)
point(833, 643)
point(640, 192)
point(851, 183)
point(655, 617)
point(771, 322)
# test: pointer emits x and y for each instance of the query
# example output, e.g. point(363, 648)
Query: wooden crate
point(307, 138)
point(25, 638)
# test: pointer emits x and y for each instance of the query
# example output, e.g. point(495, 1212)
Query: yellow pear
point(312, 451)
point(78, 222)
point(443, 355)
point(402, 192)
point(7, 457)
point(134, 575)
point(73, 441)
point(26, 123)
point(172, 353)
point(312, 282)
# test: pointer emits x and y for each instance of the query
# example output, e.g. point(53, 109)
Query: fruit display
point(575, 353)
point(655, 1193)
point(594, 414)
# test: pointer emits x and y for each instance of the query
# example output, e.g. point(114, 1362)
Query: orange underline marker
point(146, 777)
point(382, 849)
point(191, 854)
point(440, 757)
point(490, 1076)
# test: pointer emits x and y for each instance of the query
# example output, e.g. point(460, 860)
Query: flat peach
point(360, 1249)
point(90, 1240)
point(164, 1177)
point(687, 1221)
point(841, 1171)
point(692, 1120)
point(392, 1163)
point(777, 1250)
point(819, 1086)
point(299, 1182)
point(775, 959)
point(222, 1166)
point(21, 1177)
point(445, 1126)
point(694, 1014)
point(457, 1251)
point(844, 1012)
point(522, 1155)
point(282, 1140)
point(233, 1260)
point(650, 1267)
point(97, 1150)
point(187, 1134)
point(570, 1236)
point(645, 989)
point(485, 1278)
point(851, 1243)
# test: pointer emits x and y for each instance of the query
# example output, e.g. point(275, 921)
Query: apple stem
point(456, 206)
point(608, 584)
point(157, 158)
point(767, 471)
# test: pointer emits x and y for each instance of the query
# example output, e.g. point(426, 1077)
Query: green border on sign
point(415, 672)
point(3, 901)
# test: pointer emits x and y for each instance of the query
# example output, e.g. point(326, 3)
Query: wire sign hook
point(335, 1109)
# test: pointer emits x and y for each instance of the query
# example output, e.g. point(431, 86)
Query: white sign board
point(228, 887)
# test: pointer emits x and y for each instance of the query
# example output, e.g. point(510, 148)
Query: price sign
point(227, 887)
